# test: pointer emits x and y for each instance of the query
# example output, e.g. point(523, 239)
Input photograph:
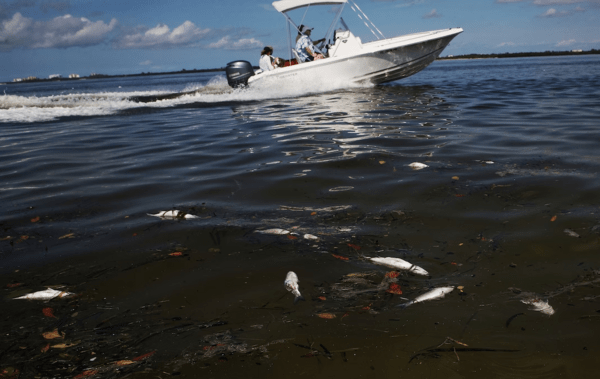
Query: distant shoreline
point(450, 57)
point(520, 55)
point(102, 76)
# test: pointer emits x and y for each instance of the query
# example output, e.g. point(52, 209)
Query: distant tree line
point(522, 55)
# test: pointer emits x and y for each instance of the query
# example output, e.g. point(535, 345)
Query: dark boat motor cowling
point(238, 73)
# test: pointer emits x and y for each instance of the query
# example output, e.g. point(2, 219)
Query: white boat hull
point(375, 62)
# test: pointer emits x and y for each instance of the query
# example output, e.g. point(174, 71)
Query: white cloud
point(241, 44)
point(68, 31)
point(554, 13)
point(507, 44)
point(566, 42)
point(161, 36)
point(432, 14)
point(60, 32)
point(146, 63)
point(557, 2)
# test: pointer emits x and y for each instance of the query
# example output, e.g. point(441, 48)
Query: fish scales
point(398, 263)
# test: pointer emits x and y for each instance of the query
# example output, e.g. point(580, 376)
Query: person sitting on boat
point(305, 47)
point(300, 35)
point(267, 62)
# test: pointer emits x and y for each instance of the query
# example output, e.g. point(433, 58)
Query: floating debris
point(394, 289)
point(65, 345)
point(538, 305)
point(398, 263)
point(53, 335)
point(327, 316)
point(173, 215)
point(511, 318)
point(311, 237)
point(45, 295)
point(357, 285)
point(49, 312)
point(291, 283)
point(436, 293)
point(417, 166)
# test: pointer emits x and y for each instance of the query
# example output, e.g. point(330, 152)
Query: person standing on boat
point(266, 60)
point(305, 48)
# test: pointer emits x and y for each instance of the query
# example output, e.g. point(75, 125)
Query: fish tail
point(404, 305)
point(298, 298)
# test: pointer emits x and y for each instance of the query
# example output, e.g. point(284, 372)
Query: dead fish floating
point(417, 165)
point(275, 231)
point(291, 283)
point(436, 293)
point(47, 294)
point(173, 215)
point(539, 305)
point(571, 233)
point(399, 264)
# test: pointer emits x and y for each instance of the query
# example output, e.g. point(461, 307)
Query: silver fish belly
point(436, 293)
point(291, 283)
point(47, 294)
point(275, 231)
point(399, 264)
point(172, 215)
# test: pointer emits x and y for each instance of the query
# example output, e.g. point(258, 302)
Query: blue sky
point(45, 37)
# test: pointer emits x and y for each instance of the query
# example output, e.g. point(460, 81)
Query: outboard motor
point(238, 73)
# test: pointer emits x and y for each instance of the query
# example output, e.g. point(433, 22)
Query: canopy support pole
point(367, 18)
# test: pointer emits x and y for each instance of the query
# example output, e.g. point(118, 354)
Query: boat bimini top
point(284, 6)
point(288, 5)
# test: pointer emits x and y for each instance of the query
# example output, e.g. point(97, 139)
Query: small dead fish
point(275, 231)
point(45, 295)
point(172, 215)
point(417, 166)
point(399, 264)
point(436, 293)
point(571, 233)
point(311, 237)
point(539, 305)
point(291, 283)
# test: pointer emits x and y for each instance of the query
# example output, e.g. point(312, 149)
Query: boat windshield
point(315, 16)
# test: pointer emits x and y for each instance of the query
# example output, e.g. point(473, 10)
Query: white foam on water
point(47, 108)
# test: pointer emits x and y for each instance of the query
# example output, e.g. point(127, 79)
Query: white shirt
point(265, 63)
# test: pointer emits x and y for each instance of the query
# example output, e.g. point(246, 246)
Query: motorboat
point(347, 58)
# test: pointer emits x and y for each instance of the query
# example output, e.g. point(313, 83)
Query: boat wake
point(14, 108)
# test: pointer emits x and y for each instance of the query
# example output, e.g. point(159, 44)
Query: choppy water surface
point(507, 212)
